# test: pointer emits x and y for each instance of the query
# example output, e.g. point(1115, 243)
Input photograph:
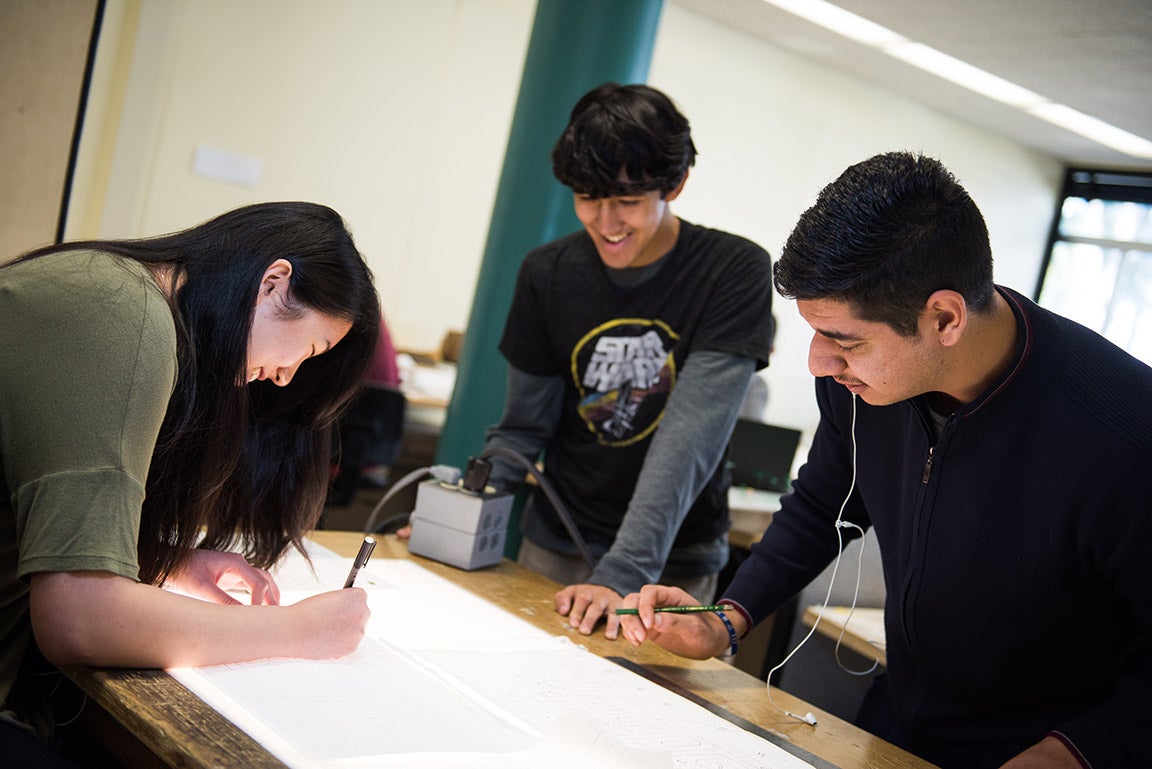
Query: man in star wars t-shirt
point(630, 346)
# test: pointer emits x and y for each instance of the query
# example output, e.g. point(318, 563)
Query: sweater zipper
point(927, 466)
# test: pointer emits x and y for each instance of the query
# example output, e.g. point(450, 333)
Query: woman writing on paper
point(163, 401)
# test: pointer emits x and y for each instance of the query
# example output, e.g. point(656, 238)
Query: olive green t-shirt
point(87, 367)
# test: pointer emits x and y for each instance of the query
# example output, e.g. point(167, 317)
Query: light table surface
point(150, 720)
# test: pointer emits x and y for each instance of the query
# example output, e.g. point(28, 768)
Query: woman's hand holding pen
point(324, 626)
point(208, 575)
point(697, 635)
point(330, 624)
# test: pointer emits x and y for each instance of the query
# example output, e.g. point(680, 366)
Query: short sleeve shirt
point(87, 367)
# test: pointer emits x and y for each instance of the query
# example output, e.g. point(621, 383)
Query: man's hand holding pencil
point(674, 620)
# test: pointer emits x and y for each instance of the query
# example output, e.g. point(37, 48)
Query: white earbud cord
point(839, 524)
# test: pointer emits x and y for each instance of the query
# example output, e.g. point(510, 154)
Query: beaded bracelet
point(731, 632)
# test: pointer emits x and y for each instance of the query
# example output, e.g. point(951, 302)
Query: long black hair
point(247, 465)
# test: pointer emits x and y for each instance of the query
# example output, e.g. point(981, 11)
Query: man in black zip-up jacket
point(1002, 457)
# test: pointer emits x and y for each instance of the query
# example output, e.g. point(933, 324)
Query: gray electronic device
point(458, 527)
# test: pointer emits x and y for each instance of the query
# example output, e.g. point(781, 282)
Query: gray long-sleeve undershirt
point(684, 453)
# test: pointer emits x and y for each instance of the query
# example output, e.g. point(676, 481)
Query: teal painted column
point(575, 46)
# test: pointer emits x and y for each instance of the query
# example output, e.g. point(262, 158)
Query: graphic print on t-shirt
point(624, 371)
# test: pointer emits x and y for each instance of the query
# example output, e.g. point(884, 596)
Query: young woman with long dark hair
point(166, 415)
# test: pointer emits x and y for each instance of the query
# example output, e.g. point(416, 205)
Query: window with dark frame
point(1098, 268)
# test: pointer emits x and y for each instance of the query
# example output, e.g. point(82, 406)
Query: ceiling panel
point(1092, 55)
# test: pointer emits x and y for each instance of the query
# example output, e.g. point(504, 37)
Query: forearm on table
point(98, 618)
point(684, 454)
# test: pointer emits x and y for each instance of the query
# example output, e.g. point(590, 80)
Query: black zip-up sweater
point(1016, 547)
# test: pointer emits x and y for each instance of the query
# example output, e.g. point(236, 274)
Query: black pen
point(361, 559)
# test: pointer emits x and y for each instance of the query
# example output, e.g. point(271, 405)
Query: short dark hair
point(884, 236)
point(631, 128)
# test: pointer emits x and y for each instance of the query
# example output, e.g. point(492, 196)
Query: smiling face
point(868, 357)
point(629, 230)
point(285, 334)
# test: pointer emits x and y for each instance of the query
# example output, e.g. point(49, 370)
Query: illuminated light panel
point(840, 21)
point(1094, 129)
point(961, 73)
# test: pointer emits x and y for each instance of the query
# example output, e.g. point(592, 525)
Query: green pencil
point(682, 609)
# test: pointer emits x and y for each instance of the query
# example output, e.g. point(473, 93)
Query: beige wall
point(773, 136)
point(396, 113)
point(43, 50)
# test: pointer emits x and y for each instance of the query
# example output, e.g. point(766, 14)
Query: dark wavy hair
point(630, 128)
point(248, 465)
point(884, 236)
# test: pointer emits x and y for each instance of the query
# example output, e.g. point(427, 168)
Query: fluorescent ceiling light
point(963, 73)
point(1096, 130)
point(929, 59)
point(840, 21)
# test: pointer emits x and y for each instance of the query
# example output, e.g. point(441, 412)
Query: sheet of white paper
point(445, 679)
point(372, 702)
point(575, 741)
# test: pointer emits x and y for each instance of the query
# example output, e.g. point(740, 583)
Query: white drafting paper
point(444, 679)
